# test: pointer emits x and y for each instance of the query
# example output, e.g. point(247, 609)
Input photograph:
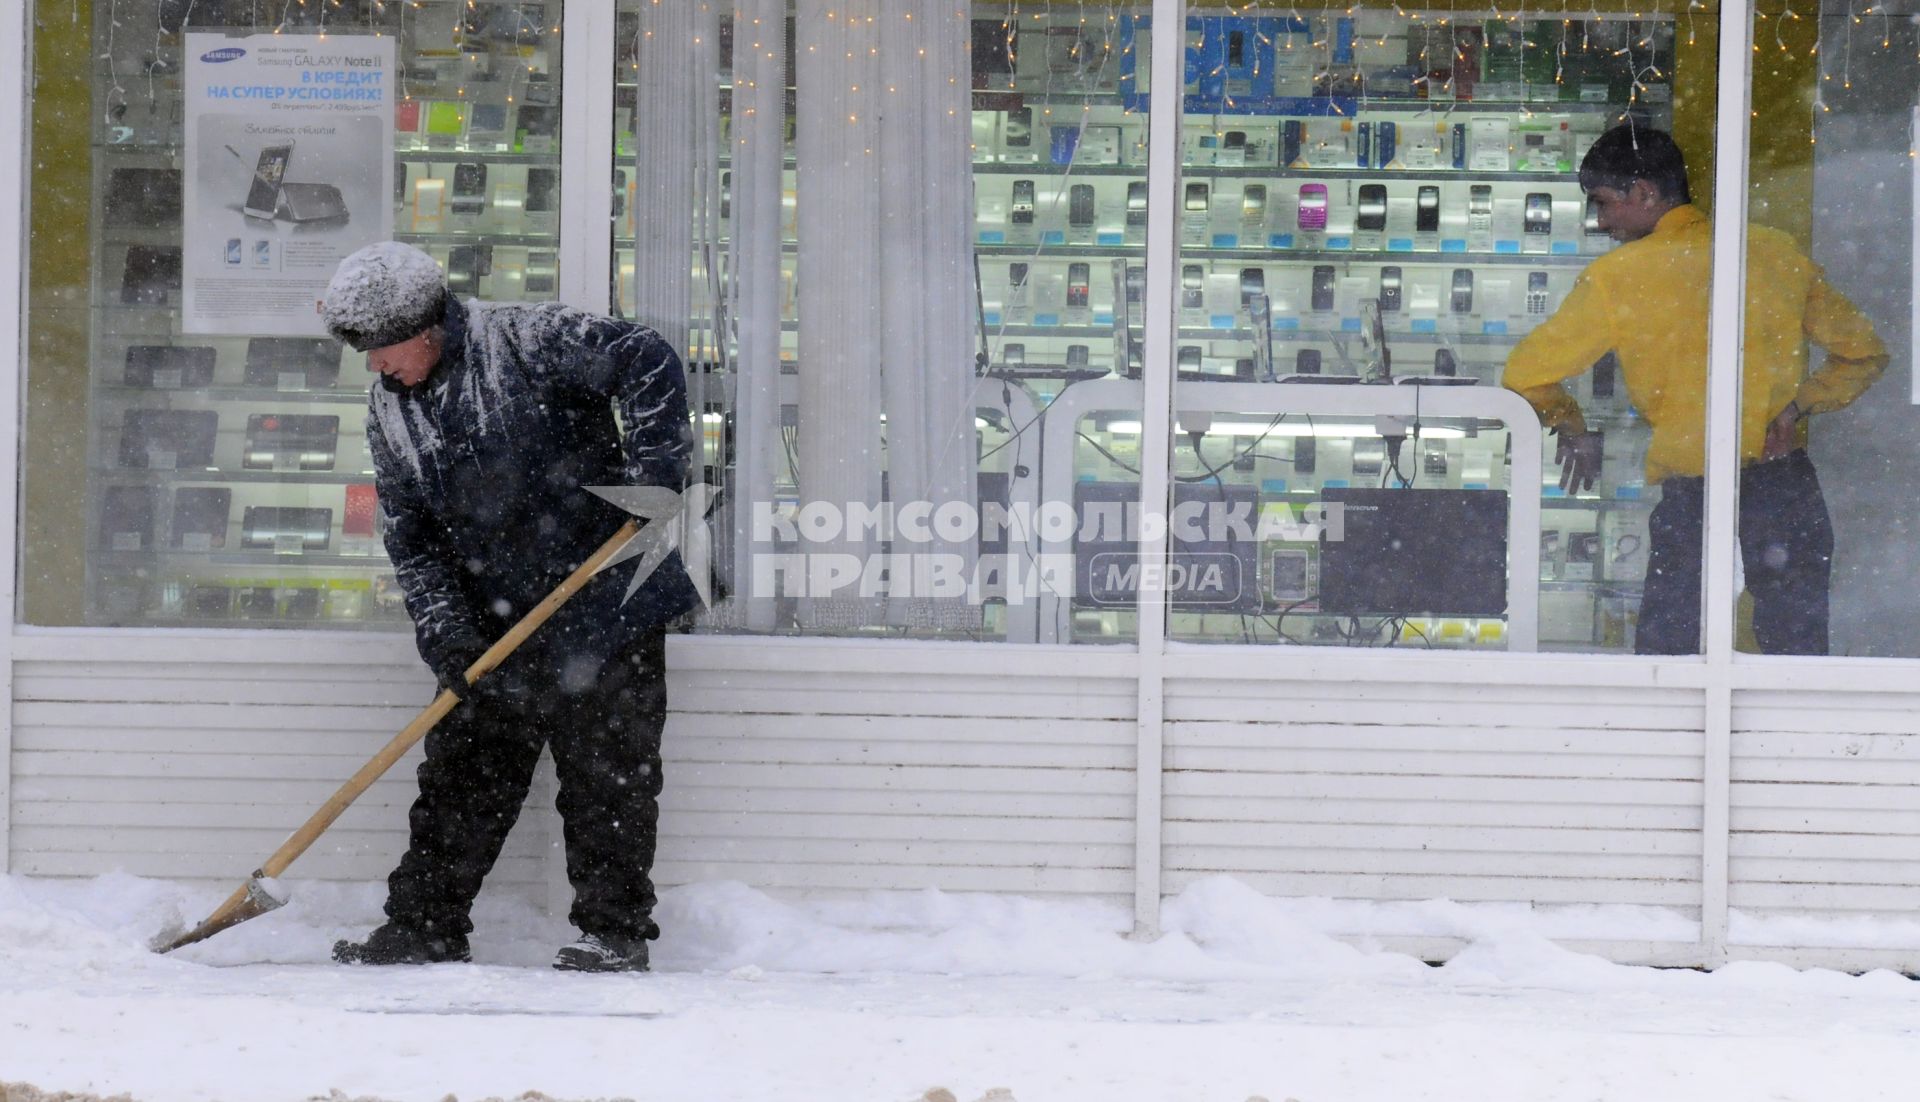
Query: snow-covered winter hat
point(384, 294)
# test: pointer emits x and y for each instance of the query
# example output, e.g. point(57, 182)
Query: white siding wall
point(1826, 804)
point(195, 762)
point(820, 768)
point(831, 768)
point(834, 766)
point(1426, 790)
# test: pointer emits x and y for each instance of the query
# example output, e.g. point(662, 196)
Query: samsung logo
point(224, 53)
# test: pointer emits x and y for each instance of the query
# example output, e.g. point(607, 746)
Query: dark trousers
point(1786, 548)
point(480, 760)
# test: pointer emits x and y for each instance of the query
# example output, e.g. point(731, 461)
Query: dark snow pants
point(479, 764)
point(1786, 550)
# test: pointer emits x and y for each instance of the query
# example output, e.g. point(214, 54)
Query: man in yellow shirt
point(1647, 303)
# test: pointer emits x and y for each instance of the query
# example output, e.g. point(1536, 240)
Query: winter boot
point(397, 944)
point(603, 953)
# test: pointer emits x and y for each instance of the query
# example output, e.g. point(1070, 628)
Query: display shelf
point(1375, 175)
point(481, 237)
point(423, 155)
point(167, 149)
point(999, 99)
point(1439, 337)
point(262, 395)
point(1058, 251)
point(1602, 587)
point(242, 620)
point(1590, 505)
point(142, 476)
point(1051, 170)
point(1260, 173)
point(1521, 107)
point(265, 558)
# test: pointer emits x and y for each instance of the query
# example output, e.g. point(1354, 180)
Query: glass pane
point(1825, 518)
point(230, 162)
point(903, 256)
point(1382, 228)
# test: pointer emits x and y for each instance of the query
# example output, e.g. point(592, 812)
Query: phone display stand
point(310, 203)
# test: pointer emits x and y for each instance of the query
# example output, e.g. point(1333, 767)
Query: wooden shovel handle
point(297, 843)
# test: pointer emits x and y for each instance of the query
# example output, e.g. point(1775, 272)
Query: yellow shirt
point(1646, 302)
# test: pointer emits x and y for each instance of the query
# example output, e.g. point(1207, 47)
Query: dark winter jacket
point(482, 473)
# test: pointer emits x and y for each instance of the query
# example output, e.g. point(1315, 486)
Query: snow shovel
point(261, 893)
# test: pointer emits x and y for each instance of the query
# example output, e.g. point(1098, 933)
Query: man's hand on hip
point(1783, 432)
point(1578, 454)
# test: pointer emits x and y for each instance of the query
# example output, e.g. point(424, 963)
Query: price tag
point(126, 541)
point(167, 378)
point(289, 543)
point(286, 461)
point(162, 459)
point(293, 380)
point(197, 541)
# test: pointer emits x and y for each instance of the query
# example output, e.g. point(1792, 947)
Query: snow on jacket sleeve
point(425, 562)
point(637, 369)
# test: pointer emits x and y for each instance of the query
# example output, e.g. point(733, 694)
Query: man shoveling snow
point(486, 425)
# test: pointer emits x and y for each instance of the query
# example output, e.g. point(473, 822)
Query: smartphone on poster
point(263, 196)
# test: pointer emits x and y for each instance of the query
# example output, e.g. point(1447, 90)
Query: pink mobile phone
point(1313, 206)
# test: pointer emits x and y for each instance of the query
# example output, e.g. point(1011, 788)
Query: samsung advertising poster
point(288, 171)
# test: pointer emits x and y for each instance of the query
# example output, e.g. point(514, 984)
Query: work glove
point(501, 686)
point(1578, 454)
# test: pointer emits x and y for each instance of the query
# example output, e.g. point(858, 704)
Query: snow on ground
point(894, 994)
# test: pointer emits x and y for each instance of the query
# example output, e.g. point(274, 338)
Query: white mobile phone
point(1480, 209)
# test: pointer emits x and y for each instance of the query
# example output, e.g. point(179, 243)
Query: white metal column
point(1725, 330)
point(13, 213)
point(586, 257)
point(1156, 436)
point(586, 155)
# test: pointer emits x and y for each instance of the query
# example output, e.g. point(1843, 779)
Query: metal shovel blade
point(251, 900)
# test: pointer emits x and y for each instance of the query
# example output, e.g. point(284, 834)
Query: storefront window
point(194, 446)
point(899, 238)
point(1826, 522)
point(1383, 224)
